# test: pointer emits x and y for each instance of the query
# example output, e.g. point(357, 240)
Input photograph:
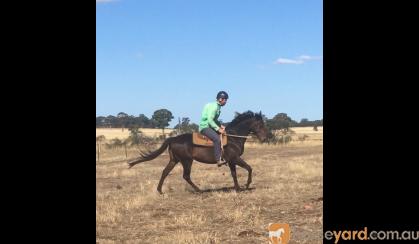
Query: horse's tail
point(147, 156)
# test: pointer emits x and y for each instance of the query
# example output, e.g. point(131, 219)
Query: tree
point(143, 121)
point(100, 121)
point(122, 119)
point(162, 117)
point(265, 119)
point(130, 121)
point(185, 126)
point(121, 115)
point(280, 121)
point(111, 121)
point(135, 136)
point(304, 122)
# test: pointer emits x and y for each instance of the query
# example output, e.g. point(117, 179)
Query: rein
point(238, 136)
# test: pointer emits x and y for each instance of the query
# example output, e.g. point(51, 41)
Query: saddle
point(199, 139)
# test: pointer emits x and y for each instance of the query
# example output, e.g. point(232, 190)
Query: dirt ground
point(287, 188)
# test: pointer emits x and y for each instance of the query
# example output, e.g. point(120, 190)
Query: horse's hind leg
point(187, 166)
point(166, 171)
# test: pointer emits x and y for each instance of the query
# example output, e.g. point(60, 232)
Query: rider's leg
point(215, 138)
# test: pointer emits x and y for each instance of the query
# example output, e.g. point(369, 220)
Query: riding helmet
point(222, 94)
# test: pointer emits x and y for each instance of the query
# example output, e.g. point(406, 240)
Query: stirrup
point(222, 162)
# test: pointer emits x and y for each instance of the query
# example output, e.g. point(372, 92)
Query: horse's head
point(247, 122)
point(258, 127)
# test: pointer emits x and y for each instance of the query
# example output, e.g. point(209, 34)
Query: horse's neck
point(242, 129)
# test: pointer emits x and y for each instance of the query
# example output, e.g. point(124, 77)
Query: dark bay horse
point(181, 149)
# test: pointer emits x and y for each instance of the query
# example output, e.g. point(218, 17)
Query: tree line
point(161, 118)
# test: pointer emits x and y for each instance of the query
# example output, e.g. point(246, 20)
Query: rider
point(209, 125)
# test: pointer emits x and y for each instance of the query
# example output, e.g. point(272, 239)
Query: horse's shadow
point(223, 189)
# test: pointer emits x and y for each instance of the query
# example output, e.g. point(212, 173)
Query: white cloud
point(299, 60)
point(288, 61)
point(304, 57)
point(307, 57)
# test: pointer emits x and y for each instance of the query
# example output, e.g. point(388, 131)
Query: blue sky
point(177, 54)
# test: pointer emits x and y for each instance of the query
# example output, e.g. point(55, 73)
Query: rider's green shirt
point(209, 117)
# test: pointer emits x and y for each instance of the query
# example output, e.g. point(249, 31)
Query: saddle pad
point(199, 139)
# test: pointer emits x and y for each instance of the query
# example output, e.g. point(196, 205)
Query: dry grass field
point(111, 133)
point(287, 188)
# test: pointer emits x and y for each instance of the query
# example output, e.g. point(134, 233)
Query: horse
point(181, 149)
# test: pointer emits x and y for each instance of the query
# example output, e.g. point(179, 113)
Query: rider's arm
point(211, 119)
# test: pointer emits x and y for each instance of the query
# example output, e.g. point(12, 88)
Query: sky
point(177, 54)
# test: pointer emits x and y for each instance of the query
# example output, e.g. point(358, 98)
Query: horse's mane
point(244, 116)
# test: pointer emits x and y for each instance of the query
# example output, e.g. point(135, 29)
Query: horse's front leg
point(234, 175)
point(243, 164)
